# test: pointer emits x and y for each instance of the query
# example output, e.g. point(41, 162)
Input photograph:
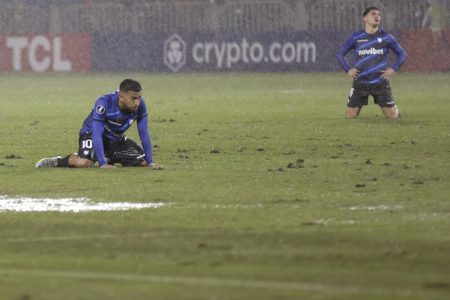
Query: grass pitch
point(270, 192)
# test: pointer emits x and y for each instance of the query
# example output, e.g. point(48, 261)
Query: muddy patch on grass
point(439, 285)
point(13, 156)
point(298, 164)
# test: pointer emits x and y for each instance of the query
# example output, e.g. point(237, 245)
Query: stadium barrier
point(209, 52)
point(427, 50)
point(203, 52)
point(299, 51)
point(182, 52)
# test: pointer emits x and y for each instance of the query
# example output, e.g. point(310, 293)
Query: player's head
point(369, 9)
point(372, 16)
point(130, 94)
point(130, 85)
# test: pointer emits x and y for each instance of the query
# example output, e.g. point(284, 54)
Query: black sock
point(63, 162)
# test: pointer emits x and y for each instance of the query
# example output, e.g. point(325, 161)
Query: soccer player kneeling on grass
point(102, 136)
point(371, 72)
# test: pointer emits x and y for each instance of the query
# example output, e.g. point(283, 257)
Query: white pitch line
point(73, 205)
point(195, 281)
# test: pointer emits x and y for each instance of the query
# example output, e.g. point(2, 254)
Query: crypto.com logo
point(175, 52)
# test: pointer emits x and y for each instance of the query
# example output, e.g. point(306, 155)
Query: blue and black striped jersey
point(371, 55)
point(116, 122)
point(107, 122)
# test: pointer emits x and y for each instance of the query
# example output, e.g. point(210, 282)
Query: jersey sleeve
point(97, 141)
point(399, 51)
point(99, 110)
point(345, 48)
point(142, 110)
point(144, 134)
point(99, 119)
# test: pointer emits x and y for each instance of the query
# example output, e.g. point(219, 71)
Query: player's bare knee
point(392, 112)
point(87, 163)
point(392, 115)
point(78, 162)
point(351, 116)
point(352, 113)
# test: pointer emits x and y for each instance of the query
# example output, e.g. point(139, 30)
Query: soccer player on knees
point(102, 138)
point(371, 71)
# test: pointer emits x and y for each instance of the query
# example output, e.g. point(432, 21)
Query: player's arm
point(340, 55)
point(142, 126)
point(146, 141)
point(98, 126)
point(401, 57)
point(144, 135)
point(399, 51)
point(97, 141)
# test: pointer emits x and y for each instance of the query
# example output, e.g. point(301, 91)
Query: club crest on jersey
point(100, 109)
point(379, 40)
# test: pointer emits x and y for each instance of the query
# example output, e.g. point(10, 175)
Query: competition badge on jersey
point(100, 109)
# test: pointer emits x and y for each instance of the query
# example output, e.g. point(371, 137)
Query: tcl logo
point(43, 53)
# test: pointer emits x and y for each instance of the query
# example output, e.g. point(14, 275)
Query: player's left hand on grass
point(387, 74)
point(155, 166)
point(107, 166)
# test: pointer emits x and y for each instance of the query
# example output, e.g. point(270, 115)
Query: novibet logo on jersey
point(370, 51)
point(175, 52)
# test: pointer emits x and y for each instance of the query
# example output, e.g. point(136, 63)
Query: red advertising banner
point(64, 52)
point(427, 50)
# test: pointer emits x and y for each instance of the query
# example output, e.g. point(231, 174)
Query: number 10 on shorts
point(87, 144)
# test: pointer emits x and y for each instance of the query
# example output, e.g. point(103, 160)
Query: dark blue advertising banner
point(212, 52)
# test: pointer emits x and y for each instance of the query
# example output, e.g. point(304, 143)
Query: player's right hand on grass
point(106, 166)
point(155, 166)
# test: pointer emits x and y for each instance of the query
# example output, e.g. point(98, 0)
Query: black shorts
point(125, 151)
point(381, 93)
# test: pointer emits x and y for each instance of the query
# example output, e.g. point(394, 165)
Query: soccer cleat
point(50, 162)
